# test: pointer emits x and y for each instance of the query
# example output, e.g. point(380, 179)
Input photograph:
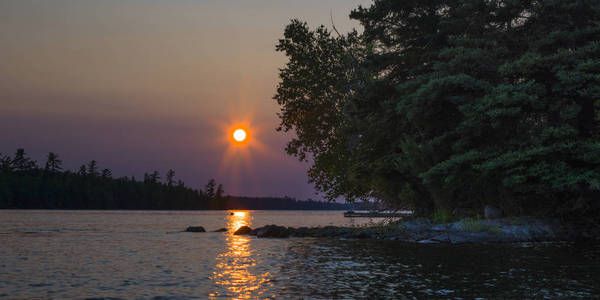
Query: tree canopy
point(451, 104)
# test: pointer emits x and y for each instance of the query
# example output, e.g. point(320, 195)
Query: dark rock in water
point(244, 230)
point(273, 231)
point(195, 229)
point(362, 235)
point(221, 230)
point(365, 234)
point(330, 231)
point(301, 232)
point(491, 212)
point(344, 232)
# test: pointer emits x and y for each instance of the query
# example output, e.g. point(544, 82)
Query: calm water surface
point(144, 254)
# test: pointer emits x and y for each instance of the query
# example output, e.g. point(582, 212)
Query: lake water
point(144, 254)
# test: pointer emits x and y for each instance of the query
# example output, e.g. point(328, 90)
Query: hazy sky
point(151, 85)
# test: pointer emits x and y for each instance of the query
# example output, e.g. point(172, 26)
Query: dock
point(376, 214)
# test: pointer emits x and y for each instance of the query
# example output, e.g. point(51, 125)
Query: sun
point(239, 135)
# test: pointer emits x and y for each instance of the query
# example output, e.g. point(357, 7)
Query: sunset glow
point(149, 80)
point(241, 145)
point(239, 135)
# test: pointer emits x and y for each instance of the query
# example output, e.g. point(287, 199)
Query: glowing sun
point(239, 135)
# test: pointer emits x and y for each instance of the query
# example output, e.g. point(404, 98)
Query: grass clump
point(515, 221)
point(495, 230)
point(441, 216)
point(474, 225)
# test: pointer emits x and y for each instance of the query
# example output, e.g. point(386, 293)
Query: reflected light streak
point(234, 267)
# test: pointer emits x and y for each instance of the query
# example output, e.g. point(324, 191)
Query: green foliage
point(452, 104)
point(514, 221)
point(315, 84)
point(441, 216)
point(474, 225)
point(495, 230)
point(478, 225)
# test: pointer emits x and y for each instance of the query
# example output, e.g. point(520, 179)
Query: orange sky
point(144, 85)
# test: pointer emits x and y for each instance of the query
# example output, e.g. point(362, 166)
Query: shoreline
point(464, 231)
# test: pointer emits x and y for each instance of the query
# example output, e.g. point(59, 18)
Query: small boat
point(376, 214)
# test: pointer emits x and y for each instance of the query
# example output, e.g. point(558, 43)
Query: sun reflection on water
point(234, 267)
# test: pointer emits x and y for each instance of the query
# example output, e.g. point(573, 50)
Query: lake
point(145, 255)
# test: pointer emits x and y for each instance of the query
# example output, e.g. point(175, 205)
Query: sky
point(144, 85)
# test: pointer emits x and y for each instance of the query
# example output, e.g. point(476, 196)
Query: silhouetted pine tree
point(106, 174)
point(170, 177)
point(209, 189)
point(53, 163)
point(82, 170)
point(21, 162)
point(93, 168)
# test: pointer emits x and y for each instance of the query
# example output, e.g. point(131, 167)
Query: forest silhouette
point(25, 185)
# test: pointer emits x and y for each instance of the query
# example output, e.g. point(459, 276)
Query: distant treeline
point(233, 202)
point(26, 185)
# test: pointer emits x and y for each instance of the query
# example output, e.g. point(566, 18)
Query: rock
point(491, 212)
point(365, 234)
point(440, 238)
point(428, 241)
point(273, 231)
point(468, 230)
point(441, 227)
point(330, 231)
point(221, 230)
point(301, 232)
point(416, 225)
point(473, 237)
point(344, 232)
point(244, 230)
point(195, 229)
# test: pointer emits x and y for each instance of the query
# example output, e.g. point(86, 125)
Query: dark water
point(139, 255)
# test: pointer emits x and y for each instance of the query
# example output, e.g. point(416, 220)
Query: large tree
point(458, 104)
point(323, 72)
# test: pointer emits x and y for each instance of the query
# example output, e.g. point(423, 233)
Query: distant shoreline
point(136, 209)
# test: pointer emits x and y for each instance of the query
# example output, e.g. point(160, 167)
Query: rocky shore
point(506, 230)
point(467, 230)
